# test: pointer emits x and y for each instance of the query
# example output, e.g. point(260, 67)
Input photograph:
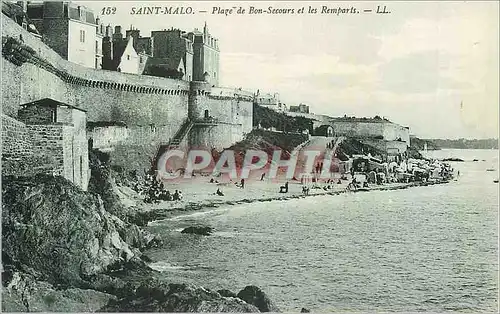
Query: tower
point(206, 57)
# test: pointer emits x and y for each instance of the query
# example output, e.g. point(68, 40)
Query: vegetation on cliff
point(268, 118)
point(266, 141)
point(351, 146)
point(418, 144)
point(466, 143)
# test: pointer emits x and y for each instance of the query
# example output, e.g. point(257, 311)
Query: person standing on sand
point(262, 176)
point(242, 184)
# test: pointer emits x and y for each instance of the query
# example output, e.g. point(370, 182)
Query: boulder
point(25, 294)
point(198, 230)
point(255, 296)
point(155, 296)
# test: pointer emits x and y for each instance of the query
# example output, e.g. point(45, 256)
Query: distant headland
point(435, 144)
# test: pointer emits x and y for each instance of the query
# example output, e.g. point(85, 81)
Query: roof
point(169, 63)
point(355, 119)
point(49, 102)
point(14, 11)
point(61, 10)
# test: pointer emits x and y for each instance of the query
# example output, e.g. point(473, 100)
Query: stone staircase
point(181, 134)
point(318, 143)
point(175, 142)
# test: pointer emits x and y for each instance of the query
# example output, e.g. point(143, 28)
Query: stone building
point(119, 53)
point(174, 50)
point(58, 131)
point(301, 108)
point(206, 66)
point(69, 29)
point(190, 56)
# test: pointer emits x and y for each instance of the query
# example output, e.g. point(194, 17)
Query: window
point(82, 36)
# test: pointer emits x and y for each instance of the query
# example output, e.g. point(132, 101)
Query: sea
point(429, 249)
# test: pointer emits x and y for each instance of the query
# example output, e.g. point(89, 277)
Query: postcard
point(218, 156)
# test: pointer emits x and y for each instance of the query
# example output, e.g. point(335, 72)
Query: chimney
point(134, 33)
point(109, 31)
point(118, 33)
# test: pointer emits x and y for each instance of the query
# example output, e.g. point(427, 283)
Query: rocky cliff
point(55, 229)
point(63, 251)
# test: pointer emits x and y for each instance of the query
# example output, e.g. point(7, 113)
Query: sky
point(432, 66)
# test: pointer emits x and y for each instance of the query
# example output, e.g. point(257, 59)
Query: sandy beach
point(199, 194)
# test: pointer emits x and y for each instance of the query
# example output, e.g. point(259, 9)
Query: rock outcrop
point(198, 230)
point(155, 296)
point(63, 251)
point(255, 296)
point(23, 293)
point(59, 231)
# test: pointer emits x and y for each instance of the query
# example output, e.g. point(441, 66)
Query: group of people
point(241, 185)
point(404, 171)
point(330, 145)
point(318, 167)
point(155, 191)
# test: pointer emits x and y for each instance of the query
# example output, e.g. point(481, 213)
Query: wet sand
point(199, 194)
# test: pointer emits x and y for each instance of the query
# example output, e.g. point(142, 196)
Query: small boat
point(490, 169)
point(495, 181)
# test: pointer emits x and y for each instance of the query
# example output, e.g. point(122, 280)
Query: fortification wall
point(16, 141)
point(26, 150)
point(47, 141)
point(388, 130)
point(219, 136)
point(362, 129)
point(394, 131)
point(152, 108)
point(106, 95)
point(231, 109)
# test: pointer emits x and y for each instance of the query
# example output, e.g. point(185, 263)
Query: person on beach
point(305, 190)
point(242, 184)
point(176, 196)
point(284, 188)
point(262, 176)
point(219, 192)
point(167, 196)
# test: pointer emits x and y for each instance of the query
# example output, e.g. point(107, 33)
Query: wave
point(190, 215)
point(163, 266)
